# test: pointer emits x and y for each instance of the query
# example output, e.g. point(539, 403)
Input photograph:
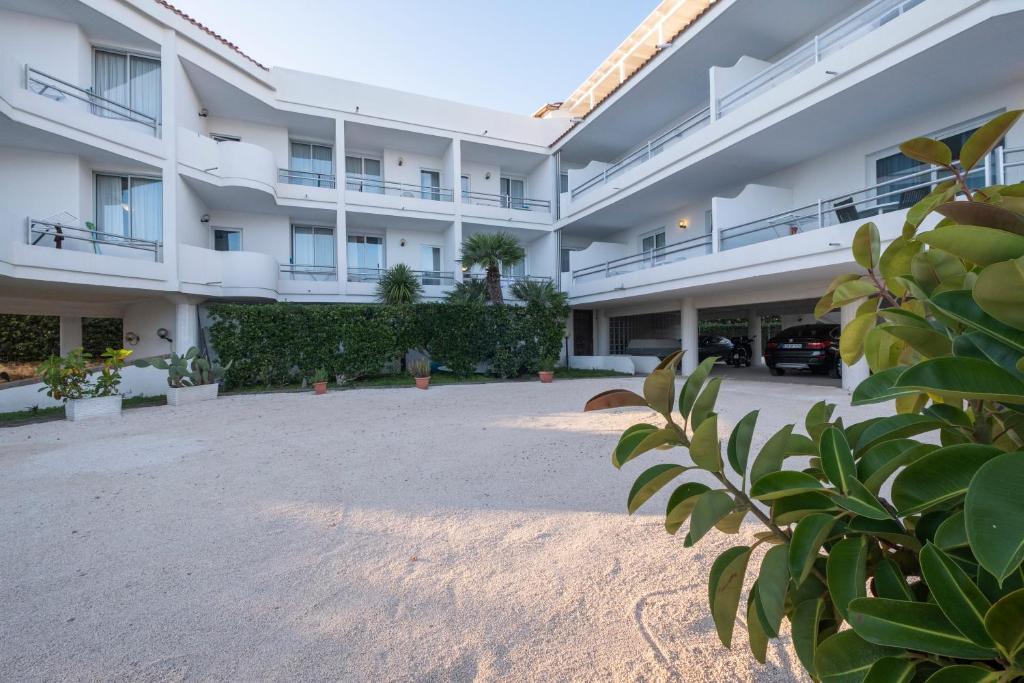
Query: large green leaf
point(893, 427)
point(639, 439)
point(837, 459)
point(867, 246)
point(912, 625)
point(711, 507)
point(1000, 292)
point(964, 673)
point(852, 291)
point(756, 633)
point(773, 582)
point(994, 513)
point(782, 484)
point(928, 342)
point(980, 345)
point(878, 462)
point(891, 670)
point(692, 387)
point(956, 594)
point(724, 586)
point(615, 398)
point(890, 582)
point(817, 418)
point(987, 215)
point(1005, 623)
point(941, 194)
point(739, 443)
point(976, 244)
point(804, 547)
point(771, 455)
point(851, 343)
point(659, 389)
point(934, 267)
point(804, 628)
point(963, 378)
point(792, 509)
point(704, 406)
point(885, 529)
point(939, 478)
point(650, 482)
point(895, 262)
point(986, 138)
point(878, 388)
point(845, 657)
point(952, 533)
point(705, 448)
point(928, 151)
point(961, 306)
point(862, 501)
point(680, 504)
point(846, 572)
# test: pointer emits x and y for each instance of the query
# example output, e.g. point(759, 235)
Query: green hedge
point(26, 338)
point(272, 344)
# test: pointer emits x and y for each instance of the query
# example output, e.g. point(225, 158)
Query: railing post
point(988, 169)
point(821, 221)
point(1000, 164)
point(649, 149)
point(817, 50)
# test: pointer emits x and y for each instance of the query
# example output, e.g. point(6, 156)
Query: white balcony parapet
point(299, 271)
point(505, 201)
point(53, 234)
point(59, 90)
point(644, 153)
point(424, 277)
point(680, 251)
point(858, 24)
point(390, 187)
point(308, 178)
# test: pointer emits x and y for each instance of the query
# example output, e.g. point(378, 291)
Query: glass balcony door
point(129, 206)
point(430, 261)
point(129, 80)
point(363, 174)
point(311, 164)
point(513, 190)
point(430, 185)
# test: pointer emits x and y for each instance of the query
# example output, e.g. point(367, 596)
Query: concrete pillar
point(859, 371)
point(186, 327)
point(756, 343)
point(688, 333)
point(70, 333)
point(602, 333)
point(341, 223)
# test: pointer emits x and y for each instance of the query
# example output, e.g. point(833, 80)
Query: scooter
point(742, 353)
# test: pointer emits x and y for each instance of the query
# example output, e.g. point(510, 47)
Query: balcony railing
point(507, 280)
point(896, 194)
point(858, 24)
point(424, 277)
point(672, 253)
point(390, 187)
point(308, 178)
point(1009, 164)
point(650, 149)
point(59, 90)
point(505, 201)
point(50, 234)
point(301, 271)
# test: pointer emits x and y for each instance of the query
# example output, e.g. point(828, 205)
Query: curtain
point(302, 163)
point(147, 208)
point(321, 162)
point(111, 82)
point(111, 205)
point(145, 86)
point(323, 247)
point(302, 246)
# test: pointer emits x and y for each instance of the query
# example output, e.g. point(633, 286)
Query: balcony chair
point(845, 210)
point(910, 197)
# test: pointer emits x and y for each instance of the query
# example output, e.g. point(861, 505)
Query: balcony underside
point(220, 195)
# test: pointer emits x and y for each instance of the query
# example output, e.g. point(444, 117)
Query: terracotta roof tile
point(210, 31)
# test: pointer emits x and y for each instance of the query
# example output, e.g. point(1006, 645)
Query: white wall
point(144, 319)
point(57, 48)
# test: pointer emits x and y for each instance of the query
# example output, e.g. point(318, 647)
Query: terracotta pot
point(547, 376)
point(422, 382)
point(320, 387)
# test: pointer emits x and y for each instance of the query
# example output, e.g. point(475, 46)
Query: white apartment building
point(715, 165)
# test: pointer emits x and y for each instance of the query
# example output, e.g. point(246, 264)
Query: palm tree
point(399, 285)
point(468, 292)
point(540, 293)
point(491, 251)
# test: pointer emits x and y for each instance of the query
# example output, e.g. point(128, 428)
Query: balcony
point(396, 189)
point(699, 245)
point(296, 271)
point(435, 278)
point(68, 235)
point(60, 90)
point(306, 178)
point(239, 274)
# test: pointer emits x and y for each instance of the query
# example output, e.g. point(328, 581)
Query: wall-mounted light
point(205, 218)
point(401, 161)
point(164, 334)
point(683, 224)
point(487, 176)
point(204, 112)
point(401, 242)
point(131, 338)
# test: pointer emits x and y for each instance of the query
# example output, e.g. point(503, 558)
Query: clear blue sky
point(513, 56)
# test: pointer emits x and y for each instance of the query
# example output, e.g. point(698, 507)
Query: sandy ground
point(463, 533)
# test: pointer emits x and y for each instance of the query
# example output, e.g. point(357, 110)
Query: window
point(464, 182)
point(227, 240)
point(223, 137)
point(365, 257)
point(131, 206)
point(362, 174)
point(430, 185)
point(430, 261)
point(311, 164)
point(313, 248)
point(653, 247)
point(516, 271)
point(131, 81)
point(708, 221)
point(563, 182)
point(513, 190)
point(565, 259)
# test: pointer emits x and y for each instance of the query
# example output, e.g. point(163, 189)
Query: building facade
point(716, 165)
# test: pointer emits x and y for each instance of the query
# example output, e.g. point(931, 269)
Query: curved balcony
point(236, 274)
point(239, 164)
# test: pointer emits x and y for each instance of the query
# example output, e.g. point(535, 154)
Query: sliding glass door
point(365, 258)
point(513, 190)
point(311, 165)
point(430, 185)
point(129, 206)
point(313, 253)
point(130, 84)
point(362, 174)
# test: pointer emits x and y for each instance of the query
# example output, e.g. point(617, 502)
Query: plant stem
point(882, 289)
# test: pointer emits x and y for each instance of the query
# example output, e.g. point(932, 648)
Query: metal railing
point(650, 149)
point(858, 24)
point(424, 277)
point(508, 280)
point(1009, 164)
point(505, 201)
point(308, 178)
point(56, 89)
point(680, 251)
point(390, 187)
point(895, 194)
point(38, 231)
point(306, 271)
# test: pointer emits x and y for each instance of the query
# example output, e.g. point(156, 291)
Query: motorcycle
point(742, 353)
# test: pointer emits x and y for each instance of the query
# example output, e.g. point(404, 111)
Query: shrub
point(929, 580)
point(31, 337)
point(399, 285)
point(67, 377)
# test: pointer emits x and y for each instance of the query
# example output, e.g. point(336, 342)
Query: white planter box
point(85, 408)
point(186, 395)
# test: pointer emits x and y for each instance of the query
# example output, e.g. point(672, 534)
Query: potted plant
point(420, 370)
point(191, 377)
point(66, 378)
point(320, 381)
point(546, 372)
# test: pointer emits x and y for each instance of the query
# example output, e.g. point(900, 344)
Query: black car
point(712, 345)
point(805, 347)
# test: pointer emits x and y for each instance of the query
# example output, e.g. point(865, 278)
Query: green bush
point(26, 338)
point(273, 344)
point(924, 583)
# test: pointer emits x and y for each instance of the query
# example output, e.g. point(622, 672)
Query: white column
point(756, 343)
point(341, 227)
point(859, 371)
point(602, 333)
point(70, 333)
point(186, 327)
point(688, 333)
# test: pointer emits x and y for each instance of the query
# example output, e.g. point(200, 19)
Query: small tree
point(926, 584)
point(491, 251)
point(468, 292)
point(399, 285)
point(541, 293)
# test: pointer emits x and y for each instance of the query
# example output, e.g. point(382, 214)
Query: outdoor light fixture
point(205, 218)
point(401, 242)
point(683, 224)
point(487, 176)
point(401, 161)
point(164, 334)
point(131, 338)
point(204, 112)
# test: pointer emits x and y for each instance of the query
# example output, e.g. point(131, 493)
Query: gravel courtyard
point(458, 534)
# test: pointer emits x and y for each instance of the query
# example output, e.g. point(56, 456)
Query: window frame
point(214, 229)
point(318, 180)
point(129, 55)
point(334, 239)
point(131, 216)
